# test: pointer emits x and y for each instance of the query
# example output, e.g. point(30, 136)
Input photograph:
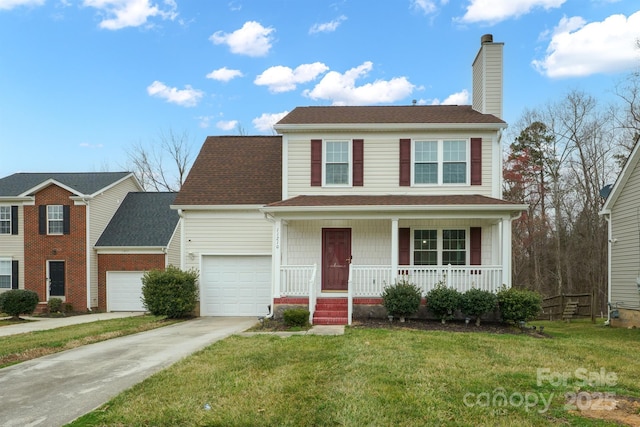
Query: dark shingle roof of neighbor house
point(143, 219)
point(235, 170)
point(387, 114)
point(83, 183)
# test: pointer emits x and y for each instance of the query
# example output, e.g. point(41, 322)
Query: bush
point(476, 302)
point(296, 317)
point(443, 301)
point(54, 305)
point(171, 292)
point(18, 301)
point(401, 299)
point(518, 305)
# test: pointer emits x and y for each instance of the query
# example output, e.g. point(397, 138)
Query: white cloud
point(227, 124)
point(341, 89)
point(327, 27)
point(578, 49)
point(131, 13)
point(224, 74)
point(187, 97)
point(252, 39)
point(283, 79)
point(427, 6)
point(494, 11)
point(458, 98)
point(265, 122)
point(10, 4)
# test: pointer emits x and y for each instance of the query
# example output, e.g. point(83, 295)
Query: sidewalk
point(44, 323)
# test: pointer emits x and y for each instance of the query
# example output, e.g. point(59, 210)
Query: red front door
point(336, 256)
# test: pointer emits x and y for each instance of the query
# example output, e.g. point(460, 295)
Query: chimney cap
point(487, 38)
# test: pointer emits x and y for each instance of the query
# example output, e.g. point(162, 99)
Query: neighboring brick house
point(622, 211)
point(49, 223)
point(142, 235)
point(349, 199)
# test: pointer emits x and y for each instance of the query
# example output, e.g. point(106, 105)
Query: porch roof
point(391, 203)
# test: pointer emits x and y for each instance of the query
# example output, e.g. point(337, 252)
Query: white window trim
point(49, 220)
point(9, 260)
point(349, 143)
point(441, 162)
point(10, 220)
point(440, 245)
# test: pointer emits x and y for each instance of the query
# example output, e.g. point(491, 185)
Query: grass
point(27, 346)
point(380, 377)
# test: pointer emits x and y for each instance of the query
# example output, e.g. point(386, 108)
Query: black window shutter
point(14, 274)
point(65, 219)
point(42, 219)
point(14, 220)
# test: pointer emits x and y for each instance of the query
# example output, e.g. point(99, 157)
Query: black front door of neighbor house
point(56, 278)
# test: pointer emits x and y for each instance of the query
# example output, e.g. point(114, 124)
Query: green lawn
point(380, 377)
point(21, 347)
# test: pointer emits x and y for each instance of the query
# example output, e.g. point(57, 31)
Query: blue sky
point(82, 81)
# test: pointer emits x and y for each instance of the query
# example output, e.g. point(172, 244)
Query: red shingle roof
point(235, 170)
point(387, 114)
point(390, 200)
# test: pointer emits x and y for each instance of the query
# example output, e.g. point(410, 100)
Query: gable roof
point(235, 170)
point(627, 170)
point(386, 115)
point(143, 219)
point(81, 183)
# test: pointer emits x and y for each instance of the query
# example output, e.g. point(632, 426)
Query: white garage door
point(124, 291)
point(235, 285)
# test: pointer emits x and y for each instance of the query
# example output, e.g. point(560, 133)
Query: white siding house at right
point(622, 211)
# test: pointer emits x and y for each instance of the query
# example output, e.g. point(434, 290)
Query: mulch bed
point(450, 326)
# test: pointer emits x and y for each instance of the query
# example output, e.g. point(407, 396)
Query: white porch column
point(276, 253)
point(394, 249)
point(506, 251)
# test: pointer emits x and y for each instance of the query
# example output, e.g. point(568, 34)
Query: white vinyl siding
point(237, 232)
point(381, 165)
point(625, 252)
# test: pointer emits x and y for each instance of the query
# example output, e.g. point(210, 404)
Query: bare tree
point(164, 165)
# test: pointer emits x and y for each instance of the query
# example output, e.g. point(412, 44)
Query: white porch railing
point(370, 280)
point(313, 294)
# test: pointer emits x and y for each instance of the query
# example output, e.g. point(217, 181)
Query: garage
point(237, 285)
point(124, 291)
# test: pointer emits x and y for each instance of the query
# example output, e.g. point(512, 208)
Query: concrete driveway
point(54, 390)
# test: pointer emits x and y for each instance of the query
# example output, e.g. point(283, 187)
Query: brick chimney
point(487, 77)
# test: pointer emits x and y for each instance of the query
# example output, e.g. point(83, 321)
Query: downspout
point(89, 250)
point(607, 217)
point(272, 220)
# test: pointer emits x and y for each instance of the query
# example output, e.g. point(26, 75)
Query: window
point(5, 274)
point(440, 162)
point(425, 243)
point(454, 244)
point(55, 223)
point(5, 219)
point(440, 247)
point(337, 163)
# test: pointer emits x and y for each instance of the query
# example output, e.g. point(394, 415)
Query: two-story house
point(350, 199)
point(49, 224)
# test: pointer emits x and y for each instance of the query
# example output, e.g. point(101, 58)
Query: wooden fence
point(553, 307)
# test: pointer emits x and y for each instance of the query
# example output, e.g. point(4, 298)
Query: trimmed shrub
point(443, 301)
point(518, 305)
point(402, 299)
point(171, 292)
point(55, 305)
point(296, 317)
point(476, 302)
point(18, 301)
